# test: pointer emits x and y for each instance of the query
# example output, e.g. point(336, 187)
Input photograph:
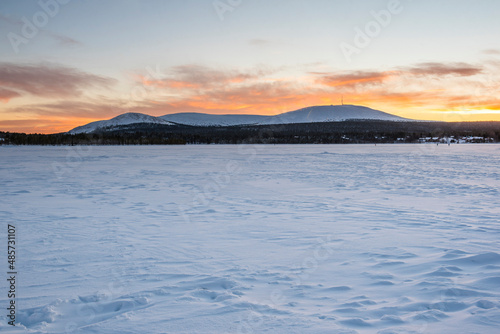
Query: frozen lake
point(253, 239)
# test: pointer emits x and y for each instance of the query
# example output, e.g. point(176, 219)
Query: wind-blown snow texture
point(252, 239)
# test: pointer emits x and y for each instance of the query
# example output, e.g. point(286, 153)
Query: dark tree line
point(308, 133)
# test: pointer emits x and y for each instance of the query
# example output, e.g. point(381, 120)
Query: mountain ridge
point(313, 114)
point(123, 119)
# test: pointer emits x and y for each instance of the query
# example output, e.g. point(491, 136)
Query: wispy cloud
point(196, 88)
point(353, 79)
point(494, 52)
point(74, 108)
point(11, 21)
point(440, 69)
point(48, 80)
point(200, 77)
point(477, 103)
point(265, 92)
point(260, 42)
point(65, 40)
point(7, 94)
point(15, 24)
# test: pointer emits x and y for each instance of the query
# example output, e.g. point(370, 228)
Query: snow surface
point(123, 119)
point(253, 239)
point(306, 115)
point(331, 114)
point(200, 119)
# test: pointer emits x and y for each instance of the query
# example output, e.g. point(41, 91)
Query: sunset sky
point(64, 63)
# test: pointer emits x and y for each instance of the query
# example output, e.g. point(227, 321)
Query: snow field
point(254, 239)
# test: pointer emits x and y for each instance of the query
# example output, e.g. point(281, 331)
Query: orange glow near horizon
point(43, 125)
point(171, 57)
point(50, 125)
point(416, 93)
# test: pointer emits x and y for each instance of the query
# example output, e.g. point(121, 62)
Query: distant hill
point(319, 114)
point(199, 119)
point(316, 114)
point(124, 119)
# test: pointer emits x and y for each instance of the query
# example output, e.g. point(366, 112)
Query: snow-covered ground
point(253, 239)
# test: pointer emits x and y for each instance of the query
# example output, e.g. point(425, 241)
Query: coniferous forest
point(346, 132)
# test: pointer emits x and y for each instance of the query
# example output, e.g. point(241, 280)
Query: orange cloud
point(48, 80)
point(7, 94)
point(478, 104)
point(494, 52)
point(440, 69)
point(200, 77)
point(409, 92)
point(72, 109)
point(357, 78)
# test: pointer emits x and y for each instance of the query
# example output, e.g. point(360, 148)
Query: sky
point(65, 63)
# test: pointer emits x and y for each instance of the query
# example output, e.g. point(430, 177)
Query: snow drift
point(357, 239)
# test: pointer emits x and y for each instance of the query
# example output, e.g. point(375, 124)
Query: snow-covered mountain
point(315, 114)
point(124, 119)
point(199, 119)
point(332, 113)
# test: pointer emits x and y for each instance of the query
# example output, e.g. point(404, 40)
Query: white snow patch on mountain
point(124, 119)
point(200, 119)
point(315, 114)
point(331, 114)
